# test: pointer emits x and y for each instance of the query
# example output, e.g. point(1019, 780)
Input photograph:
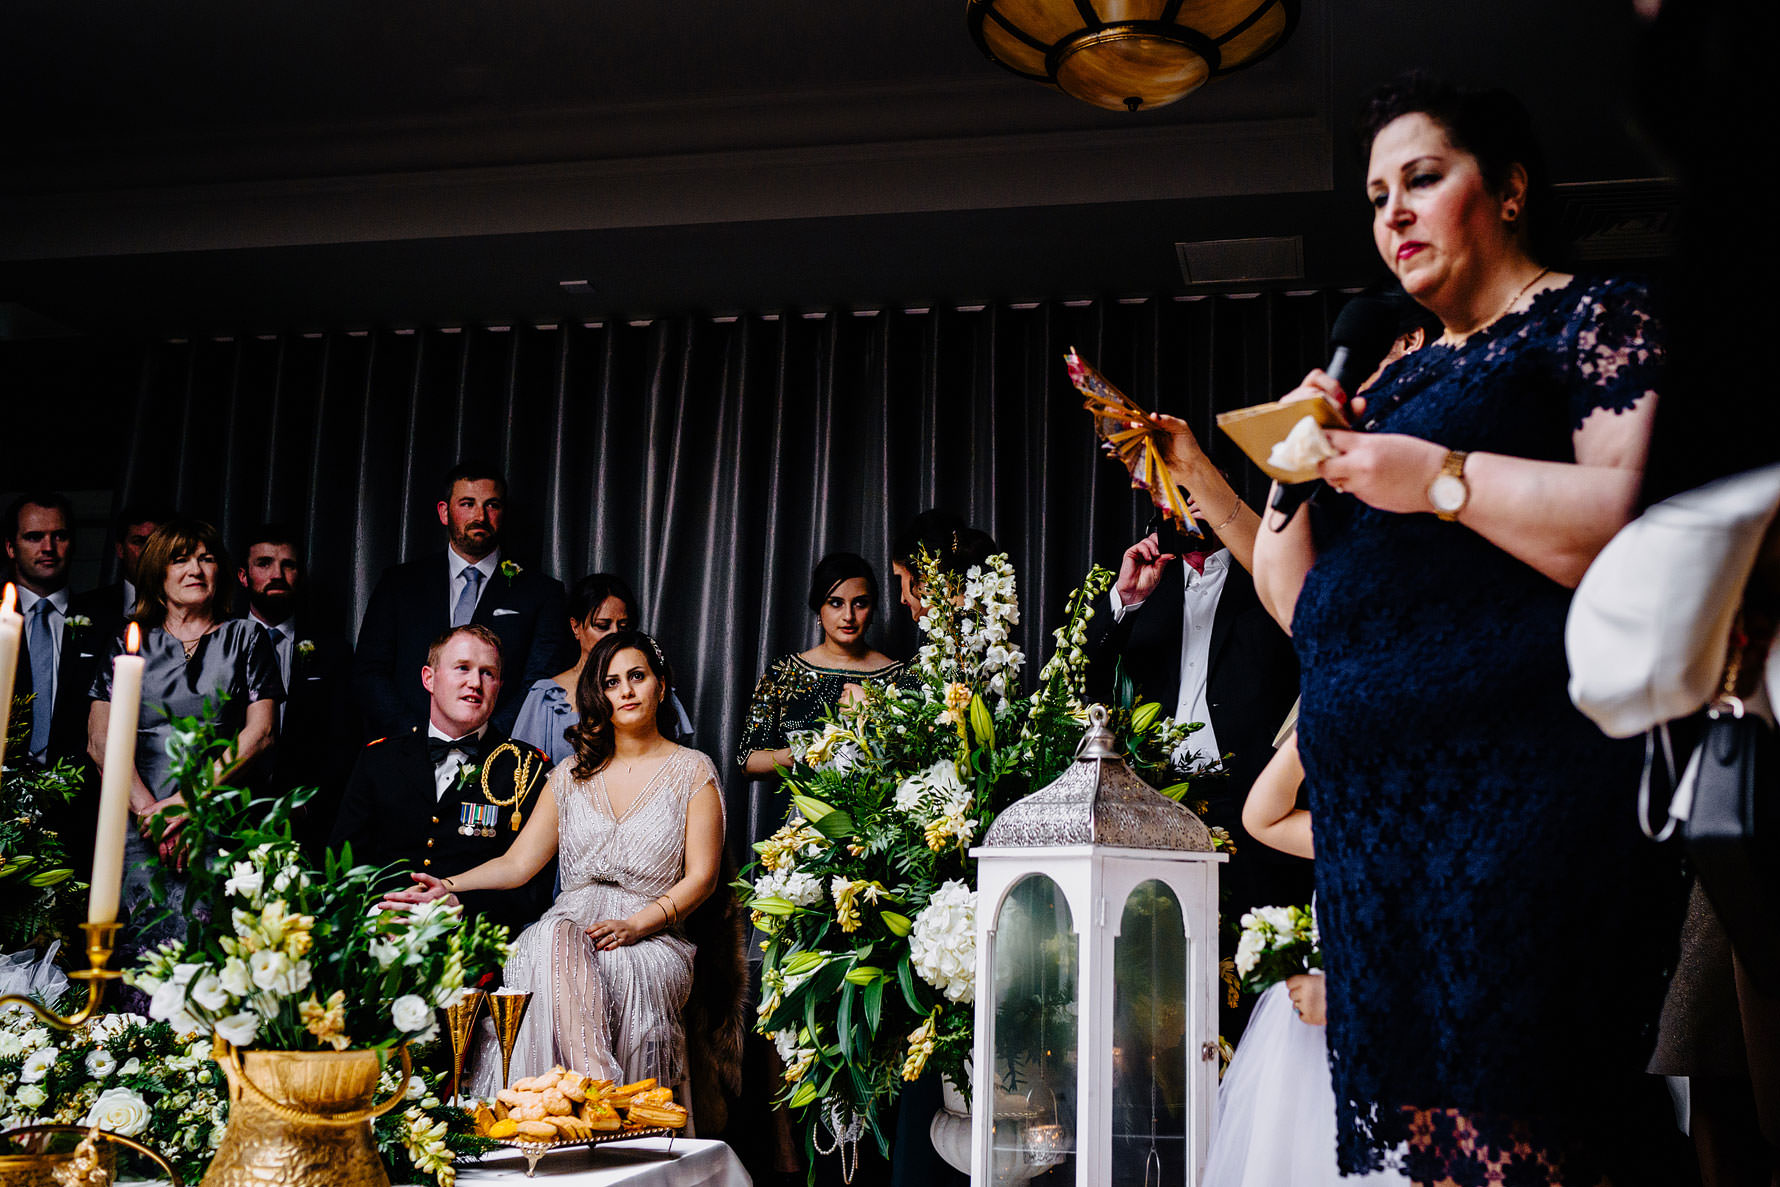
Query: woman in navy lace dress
point(1496, 931)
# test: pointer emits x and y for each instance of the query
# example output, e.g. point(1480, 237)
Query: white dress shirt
point(445, 774)
point(1199, 607)
point(284, 642)
point(58, 622)
point(487, 565)
point(129, 597)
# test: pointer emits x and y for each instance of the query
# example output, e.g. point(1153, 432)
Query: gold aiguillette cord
point(523, 766)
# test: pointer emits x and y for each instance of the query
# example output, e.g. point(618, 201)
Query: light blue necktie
point(466, 601)
point(43, 676)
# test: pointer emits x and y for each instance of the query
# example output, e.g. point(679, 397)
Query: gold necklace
point(631, 766)
point(1451, 340)
point(523, 765)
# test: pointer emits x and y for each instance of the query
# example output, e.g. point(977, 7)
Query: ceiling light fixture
point(1128, 54)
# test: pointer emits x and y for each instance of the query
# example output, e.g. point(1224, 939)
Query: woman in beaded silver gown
point(637, 824)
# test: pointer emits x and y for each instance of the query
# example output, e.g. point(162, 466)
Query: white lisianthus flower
point(37, 1065)
point(183, 973)
point(785, 1041)
point(208, 992)
point(245, 879)
point(943, 942)
point(32, 1096)
point(1248, 951)
point(277, 973)
point(131, 1066)
point(235, 977)
point(240, 1029)
point(100, 1063)
point(410, 1013)
point(384, 953)
point(10, 1045)
point(168, 1005)
point(119, 1110)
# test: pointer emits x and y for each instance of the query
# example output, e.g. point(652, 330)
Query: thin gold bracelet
point(1229, 519)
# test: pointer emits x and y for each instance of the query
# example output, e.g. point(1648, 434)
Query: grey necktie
point(43, 676)
point(466, 601)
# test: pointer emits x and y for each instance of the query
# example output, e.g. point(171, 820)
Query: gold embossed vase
point(302, 1118)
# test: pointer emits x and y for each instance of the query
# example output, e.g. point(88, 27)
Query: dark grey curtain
point(711, 462)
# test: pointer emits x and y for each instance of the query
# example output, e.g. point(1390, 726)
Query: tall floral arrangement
point(282, 955)
point(866, 895)
point(146, 1081)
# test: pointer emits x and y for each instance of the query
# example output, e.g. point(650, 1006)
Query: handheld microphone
point(1360, 338)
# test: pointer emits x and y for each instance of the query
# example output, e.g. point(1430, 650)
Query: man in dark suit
point(109, 605)
point(470, 583)
point(61, 649)
point(316, 729)
point(452, 793)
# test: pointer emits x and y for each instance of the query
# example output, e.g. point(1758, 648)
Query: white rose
point(240, 1029)
point(416, 1088)
point(121, 1111)
point(32, 1096)
point(208, 992)
point(100, 1063)
point(411, 1013)
point(37, 1065)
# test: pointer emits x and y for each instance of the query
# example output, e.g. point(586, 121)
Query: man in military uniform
point(453, 793)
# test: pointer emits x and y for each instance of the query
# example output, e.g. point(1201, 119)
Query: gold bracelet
point(666, 919)
point(1229, 519)
point(672, 910)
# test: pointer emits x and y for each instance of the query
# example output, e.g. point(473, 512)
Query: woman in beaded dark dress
point(1496, 932)
point(799, 688)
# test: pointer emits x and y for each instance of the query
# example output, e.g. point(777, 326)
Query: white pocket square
point(504, 610)
point(86, 655)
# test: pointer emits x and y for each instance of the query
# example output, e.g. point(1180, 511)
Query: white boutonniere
point(305, 648)
point(466, 773)
point(510, 569)
point(78, 623)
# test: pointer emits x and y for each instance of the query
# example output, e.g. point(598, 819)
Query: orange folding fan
point(1139, 440)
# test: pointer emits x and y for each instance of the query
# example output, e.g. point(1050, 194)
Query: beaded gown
point(612, 1014)
point(1496, 931)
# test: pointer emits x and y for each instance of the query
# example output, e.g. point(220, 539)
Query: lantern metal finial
point(1099, 800)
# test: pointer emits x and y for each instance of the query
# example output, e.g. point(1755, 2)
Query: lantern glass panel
point(1150, 1040)
point(1033, 1096)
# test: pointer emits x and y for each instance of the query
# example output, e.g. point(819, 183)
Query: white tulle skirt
point(1276, 1111)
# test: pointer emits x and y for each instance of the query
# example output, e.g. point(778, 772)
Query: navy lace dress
point(1496, 930)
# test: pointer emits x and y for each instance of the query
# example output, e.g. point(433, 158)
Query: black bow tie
point(470, 746)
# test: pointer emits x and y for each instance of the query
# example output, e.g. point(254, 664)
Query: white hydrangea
point(791, 883)
point(943, 942)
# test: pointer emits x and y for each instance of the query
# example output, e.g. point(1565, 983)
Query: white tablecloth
point(648, 1162)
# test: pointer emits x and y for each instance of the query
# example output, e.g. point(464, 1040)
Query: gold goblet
point(460, 1025)
point(507, 1007)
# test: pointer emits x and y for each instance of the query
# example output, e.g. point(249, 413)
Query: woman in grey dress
point(637, 822)
point(191, 653)
point(599, 604)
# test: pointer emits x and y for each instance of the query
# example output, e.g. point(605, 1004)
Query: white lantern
point(1097, 966)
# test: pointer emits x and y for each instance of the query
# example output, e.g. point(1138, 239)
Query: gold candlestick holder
point(460, 1025)
point(508, 1011)
point(101, 944)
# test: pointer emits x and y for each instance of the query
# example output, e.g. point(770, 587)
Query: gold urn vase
point(302, 1117)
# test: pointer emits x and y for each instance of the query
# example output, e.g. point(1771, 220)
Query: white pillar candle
point(114, 791)
point(12, 629)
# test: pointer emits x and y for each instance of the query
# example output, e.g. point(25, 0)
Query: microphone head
point(1362, 335)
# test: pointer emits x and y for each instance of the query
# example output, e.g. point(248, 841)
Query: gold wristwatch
point(1449, 492)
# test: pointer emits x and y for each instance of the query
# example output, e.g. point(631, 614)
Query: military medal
point(477, 820)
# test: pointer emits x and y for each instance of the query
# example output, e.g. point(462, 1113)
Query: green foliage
point(40, 894)
point(284, 955)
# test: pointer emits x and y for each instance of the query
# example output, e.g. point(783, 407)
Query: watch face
point(1447, 493)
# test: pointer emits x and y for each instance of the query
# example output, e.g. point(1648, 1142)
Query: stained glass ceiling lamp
point(1129, 54)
